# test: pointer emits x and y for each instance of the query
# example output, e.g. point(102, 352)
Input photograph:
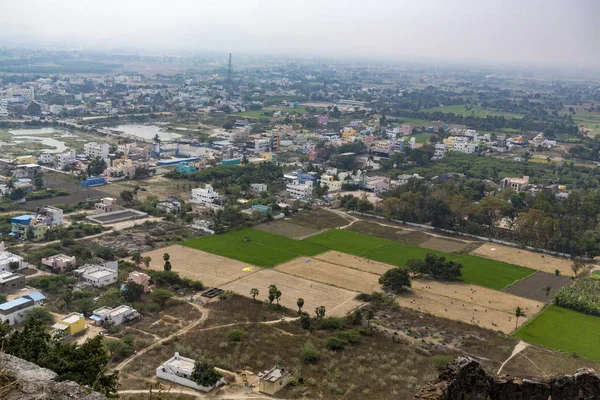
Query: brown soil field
point(318, 219)
point(373, 228)
point(211, 269)
point(445, 245)
point(331, 274)
point(287, 229)
point(337, 301)
point(350, 261)
point(472, 304)
point(414, 237)
point(532, 286)
point(525, 258)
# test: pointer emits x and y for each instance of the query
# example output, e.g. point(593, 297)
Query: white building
point(56, 109)
point(205, 196)
point(99, 275)
point(64, 159)
point(258, 188)
point(45, 158)
point(300, 189)
point(50, 215)
point(179, 370)
point(333, 184)
point(440, 151)
point(6, 258)
point(14, 311)
point(93, 150)
point(117, 315)
point(412, 143)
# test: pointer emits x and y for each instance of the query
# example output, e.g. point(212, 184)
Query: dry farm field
point(472, 304)
point(287, 229)
point(445, 245)
point(336, 301)
point(331, 274)
point(211, 269)
point(350, 261)
point(525, 258)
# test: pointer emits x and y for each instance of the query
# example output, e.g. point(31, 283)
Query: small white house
point(117, 315)
point(179, 370)
point(99, 275)
point(6, 258)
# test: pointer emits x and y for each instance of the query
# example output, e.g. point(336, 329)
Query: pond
point(145, 131)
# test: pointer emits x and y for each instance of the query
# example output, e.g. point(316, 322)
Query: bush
point(309, 354)
point(350, 336)
point(234, 336)
point(334, 343)
point(441, 362)
point(331, 323)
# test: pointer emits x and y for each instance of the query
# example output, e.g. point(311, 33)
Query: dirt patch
point(318, 219)
point(211, 269)
point(336, 301)
point(525, 258)
point(287, 229)
point(445, 245)
point(414, 237)
point(374, 229)
point(532, 286)
point(538, 361)
point(331, 274)
point(468, 303)
point(350, 261)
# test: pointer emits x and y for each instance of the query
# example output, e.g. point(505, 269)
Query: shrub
point(582, 296)
point(309, 354)
point(234, 335)
point(331, 323)
point(334, 343)
point(350, 336)
point(441, 362)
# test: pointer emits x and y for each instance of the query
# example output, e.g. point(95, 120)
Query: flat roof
point(182, 364)
point(101, 273)
point(71, 319)
point(60, 326)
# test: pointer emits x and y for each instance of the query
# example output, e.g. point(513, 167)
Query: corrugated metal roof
point(35, 296)
point(14, 303)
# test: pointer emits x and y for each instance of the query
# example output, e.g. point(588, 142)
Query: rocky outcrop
point(22, 380)
point(464, 379)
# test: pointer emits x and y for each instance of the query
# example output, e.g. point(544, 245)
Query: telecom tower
point(229, 71)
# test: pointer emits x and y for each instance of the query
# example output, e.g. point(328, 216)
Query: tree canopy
point(395, 279)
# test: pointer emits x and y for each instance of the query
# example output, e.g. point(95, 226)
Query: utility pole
point(229, 72)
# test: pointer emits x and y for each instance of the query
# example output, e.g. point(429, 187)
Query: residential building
point(273, 380)
point(440, 151)
point(333, 184)
point(121, 168)
point(170, 207)
point(14, 311)
point(50, 215)
point(517, 184)
point(300, 189)
point(45, 158)
point(20, 160)
point(186, 168)
point(93, 150)
point(60, 262)
point(116, 316)
point(258, 188)
point(64, 159)
point(28, 171)
point(98, 275)
point(205, 196)
point(9, 282)
point(70, 324)
point(7, 258)
point(141, 279)
point(27, 227)
point(106, 204)
point(179, 370)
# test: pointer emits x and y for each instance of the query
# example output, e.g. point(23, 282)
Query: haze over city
point(535, 32)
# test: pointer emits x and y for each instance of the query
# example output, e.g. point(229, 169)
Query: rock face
point(464, 379)
point(31, 382)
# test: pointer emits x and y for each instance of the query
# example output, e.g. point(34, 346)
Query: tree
point(320, 311)
point(14, 266)
point(577, 266)
point(271, 297)
point(305, 320)
point(127, 196)
point(547, 290)
point(254, 292)
point(369, 317)
point(395, 279)
point(166, 256)
point(300, 304)
point(205, 375)
point(38, 180)
point(160, 296)
point(167, 266)
point(68, 296)
point(3, 298)
point(136, 258)
point(435, 266)
point(133, 291)
point(34, 108)
point(274, 293)
point(147, 261)
point(518, 313)
point(96, 166)
point(40, 314)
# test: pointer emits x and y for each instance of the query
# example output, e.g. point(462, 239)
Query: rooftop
point(14, 303)
point(72, 318)
point(274, 374)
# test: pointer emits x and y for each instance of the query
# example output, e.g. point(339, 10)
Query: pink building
point(60, 262)
point(141, 279)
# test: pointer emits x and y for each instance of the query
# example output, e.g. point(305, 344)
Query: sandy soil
point(444, 245)
point(350, 261)
point(472, 304)
point(331, 274)
point(337, 301)
point(525, 258)
point(211, 269)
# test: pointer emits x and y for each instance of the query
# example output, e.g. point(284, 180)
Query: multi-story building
point(300, 189)
point(333, 184)
point(28, 171)
point(50, 215)
point(27, 227)
point(258, 188)
point(517, 184)
point(45, 158)
point(7, 259)
point(141, 279)
point(106, 204)
point(93, 150)
point(64, 159)
point(60, 262)
point(14, 311)
point(98, 275)
point(205, 196)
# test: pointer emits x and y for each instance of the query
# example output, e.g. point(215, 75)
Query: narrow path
point(198, 395)
point(518, 348)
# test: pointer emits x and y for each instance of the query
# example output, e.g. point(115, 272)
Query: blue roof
point(14, 303)
point(95, 317)
point(22, 219)
point(175, 161)
point(35, 296)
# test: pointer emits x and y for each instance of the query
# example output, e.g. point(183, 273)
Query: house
point(9, 282)
point(333, 184)
point(170, 207)
point(186, 168)
point(21, 160)
point(205, 196)
point(60, 262)
point(515, 183)
point(7, 258)
point(141, 279)
point(50, 215)
point(27, 171)
point(116, 316)
point(27, 226)
point(70, 324)
point(106, 204)
point(179, 370)
point(14, 311)
point(258, 188)
point(99, 275)
point(273, 380)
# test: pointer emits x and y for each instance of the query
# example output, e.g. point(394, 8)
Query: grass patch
point(347, 242)
point(489, 273)
point(564, 330)
point(398, 254)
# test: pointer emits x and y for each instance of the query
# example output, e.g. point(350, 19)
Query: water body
point(145, 131)
point(25, 136)
point(37, 131)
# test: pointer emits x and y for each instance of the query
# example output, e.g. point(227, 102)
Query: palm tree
point(300, 304)
point(137, 258)
point(166, 257)
point(146, 261)
point(547, 290)
point(254, 292)
point(518, 313)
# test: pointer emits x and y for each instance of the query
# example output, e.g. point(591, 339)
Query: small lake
point(145, 131)
point(24, 136)
point(38, 131)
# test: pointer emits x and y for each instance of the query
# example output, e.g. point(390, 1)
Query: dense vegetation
point(582, 296)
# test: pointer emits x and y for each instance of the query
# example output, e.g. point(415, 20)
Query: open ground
point(533, 286)
point(332, 274)
point(472, 304)
point(287, 229)
point(336, 301)
point(525, 258)
point(211, 269)
point(350, 261)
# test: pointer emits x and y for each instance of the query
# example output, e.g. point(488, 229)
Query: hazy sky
point(511, 31)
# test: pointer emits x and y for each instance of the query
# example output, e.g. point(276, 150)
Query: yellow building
point(449, 142)
point(273, 380)
point(349, 133)
point(70, 324)
point(25, 160)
